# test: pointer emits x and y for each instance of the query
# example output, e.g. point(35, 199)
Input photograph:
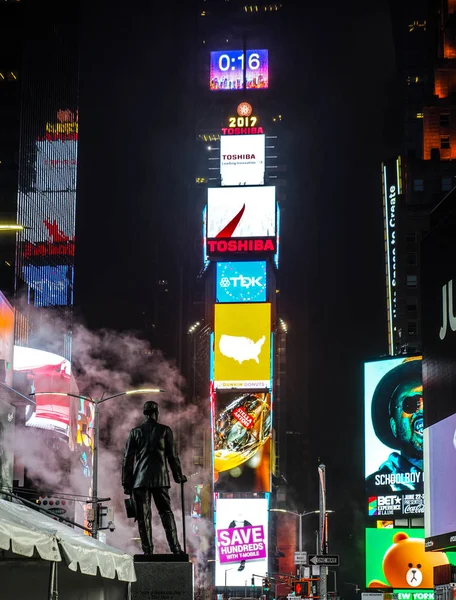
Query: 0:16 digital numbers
point(253, 61)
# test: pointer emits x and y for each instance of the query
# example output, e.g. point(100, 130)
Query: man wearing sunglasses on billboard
point(397, 419)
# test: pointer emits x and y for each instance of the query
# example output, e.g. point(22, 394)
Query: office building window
point(444, 120)
point(418, 185)
point(411, 259)
point(444, 142)
point(412, 304)
point(412, 328)
point(412, 281)
point(447, 184)
point(411, 237)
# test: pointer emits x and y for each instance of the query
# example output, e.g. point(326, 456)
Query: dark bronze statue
point(145, 475)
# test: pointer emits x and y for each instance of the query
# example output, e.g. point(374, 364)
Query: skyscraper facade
point(46, 200)
point(238, 339)
point(415, 181)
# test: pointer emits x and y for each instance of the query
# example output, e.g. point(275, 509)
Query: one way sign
point(324, 559)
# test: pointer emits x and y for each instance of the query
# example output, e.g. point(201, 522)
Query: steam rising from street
point(110, 362)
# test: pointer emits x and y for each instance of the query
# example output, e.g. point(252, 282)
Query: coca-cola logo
point(414, 509)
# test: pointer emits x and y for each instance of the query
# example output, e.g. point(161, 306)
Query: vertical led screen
point(6, 340)
point(242, 442)
point(243, 281)
point(438, 292)
point(397, 558)
point(48, 209)
point(392, 188)
point(440, 451)
point(47, 168)
point(47, 372)
point(242, 346)
point(242, 159)
point(241, 526)
point(394, 437)
point(227, 70)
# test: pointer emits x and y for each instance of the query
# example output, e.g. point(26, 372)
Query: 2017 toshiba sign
point(241, 220)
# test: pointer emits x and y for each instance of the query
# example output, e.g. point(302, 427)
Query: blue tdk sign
point(241, 281)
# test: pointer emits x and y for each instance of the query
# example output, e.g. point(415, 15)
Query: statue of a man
point(145, 475)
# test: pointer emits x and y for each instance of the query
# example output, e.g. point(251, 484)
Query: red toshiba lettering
point(244, 130)
point(268, 245)
point(258, 245)
point(222, 246)
point(212, 245)
point(232, 245)
point(224, 130)
point(242, 245)
point(253, 130)
point(237, 131)
point(260, 130)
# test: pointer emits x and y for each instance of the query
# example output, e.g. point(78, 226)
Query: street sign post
point(324, 559)
point(300, 558)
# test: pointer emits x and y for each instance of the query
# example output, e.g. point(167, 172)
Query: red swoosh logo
point(228, 230)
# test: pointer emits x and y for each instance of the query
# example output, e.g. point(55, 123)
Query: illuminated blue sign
point(241, 281)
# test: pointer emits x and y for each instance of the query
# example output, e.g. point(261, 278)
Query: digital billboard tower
point(238, 340)
point(241, 242)
point(46, 203)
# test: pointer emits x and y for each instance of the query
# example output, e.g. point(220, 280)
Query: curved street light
point(300, 516)
point(96, 435)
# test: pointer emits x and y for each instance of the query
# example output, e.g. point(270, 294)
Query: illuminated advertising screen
point(47, 372)
point(241, 527)
point(6, 340)
point(242, 346)
point(242, 159)
point(438, 291)
point(392, 188)
point(47, 207)
point(7, 418)
point(397, 558)
point(440, 486)
point(241, 281)
point(241, 220)
point(227, 70)
point(394, 437)
point(242, 442)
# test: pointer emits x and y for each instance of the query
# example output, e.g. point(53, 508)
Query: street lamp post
point(96, 436)
point(300, 516)
point(224, 592)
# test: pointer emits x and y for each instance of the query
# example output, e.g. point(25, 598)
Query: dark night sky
point(135, 113)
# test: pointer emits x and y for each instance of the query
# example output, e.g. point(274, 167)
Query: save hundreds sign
point(241, 543)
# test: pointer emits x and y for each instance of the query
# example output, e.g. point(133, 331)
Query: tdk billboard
point(241, 281)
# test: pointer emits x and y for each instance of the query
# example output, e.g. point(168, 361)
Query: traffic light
point(265, 584)
point(253, 581)
point(299, 587)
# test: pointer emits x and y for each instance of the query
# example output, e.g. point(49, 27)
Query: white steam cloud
point(110, 362)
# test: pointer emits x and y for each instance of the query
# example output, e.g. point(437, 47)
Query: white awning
point(23, 530)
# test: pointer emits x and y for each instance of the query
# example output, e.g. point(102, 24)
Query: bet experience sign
point(241, 281)
point(241, 543)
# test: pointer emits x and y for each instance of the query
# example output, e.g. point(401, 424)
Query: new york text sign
point(241, 543)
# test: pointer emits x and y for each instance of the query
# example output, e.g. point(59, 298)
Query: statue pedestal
point(162, 577)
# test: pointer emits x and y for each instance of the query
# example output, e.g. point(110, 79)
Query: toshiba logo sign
point(241, 220)
point(242, 159)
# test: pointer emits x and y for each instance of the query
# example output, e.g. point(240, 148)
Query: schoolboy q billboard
point(394, 437)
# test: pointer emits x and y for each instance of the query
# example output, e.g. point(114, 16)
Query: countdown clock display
point(227, 70)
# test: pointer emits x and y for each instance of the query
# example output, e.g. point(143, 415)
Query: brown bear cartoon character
point(406, 564)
